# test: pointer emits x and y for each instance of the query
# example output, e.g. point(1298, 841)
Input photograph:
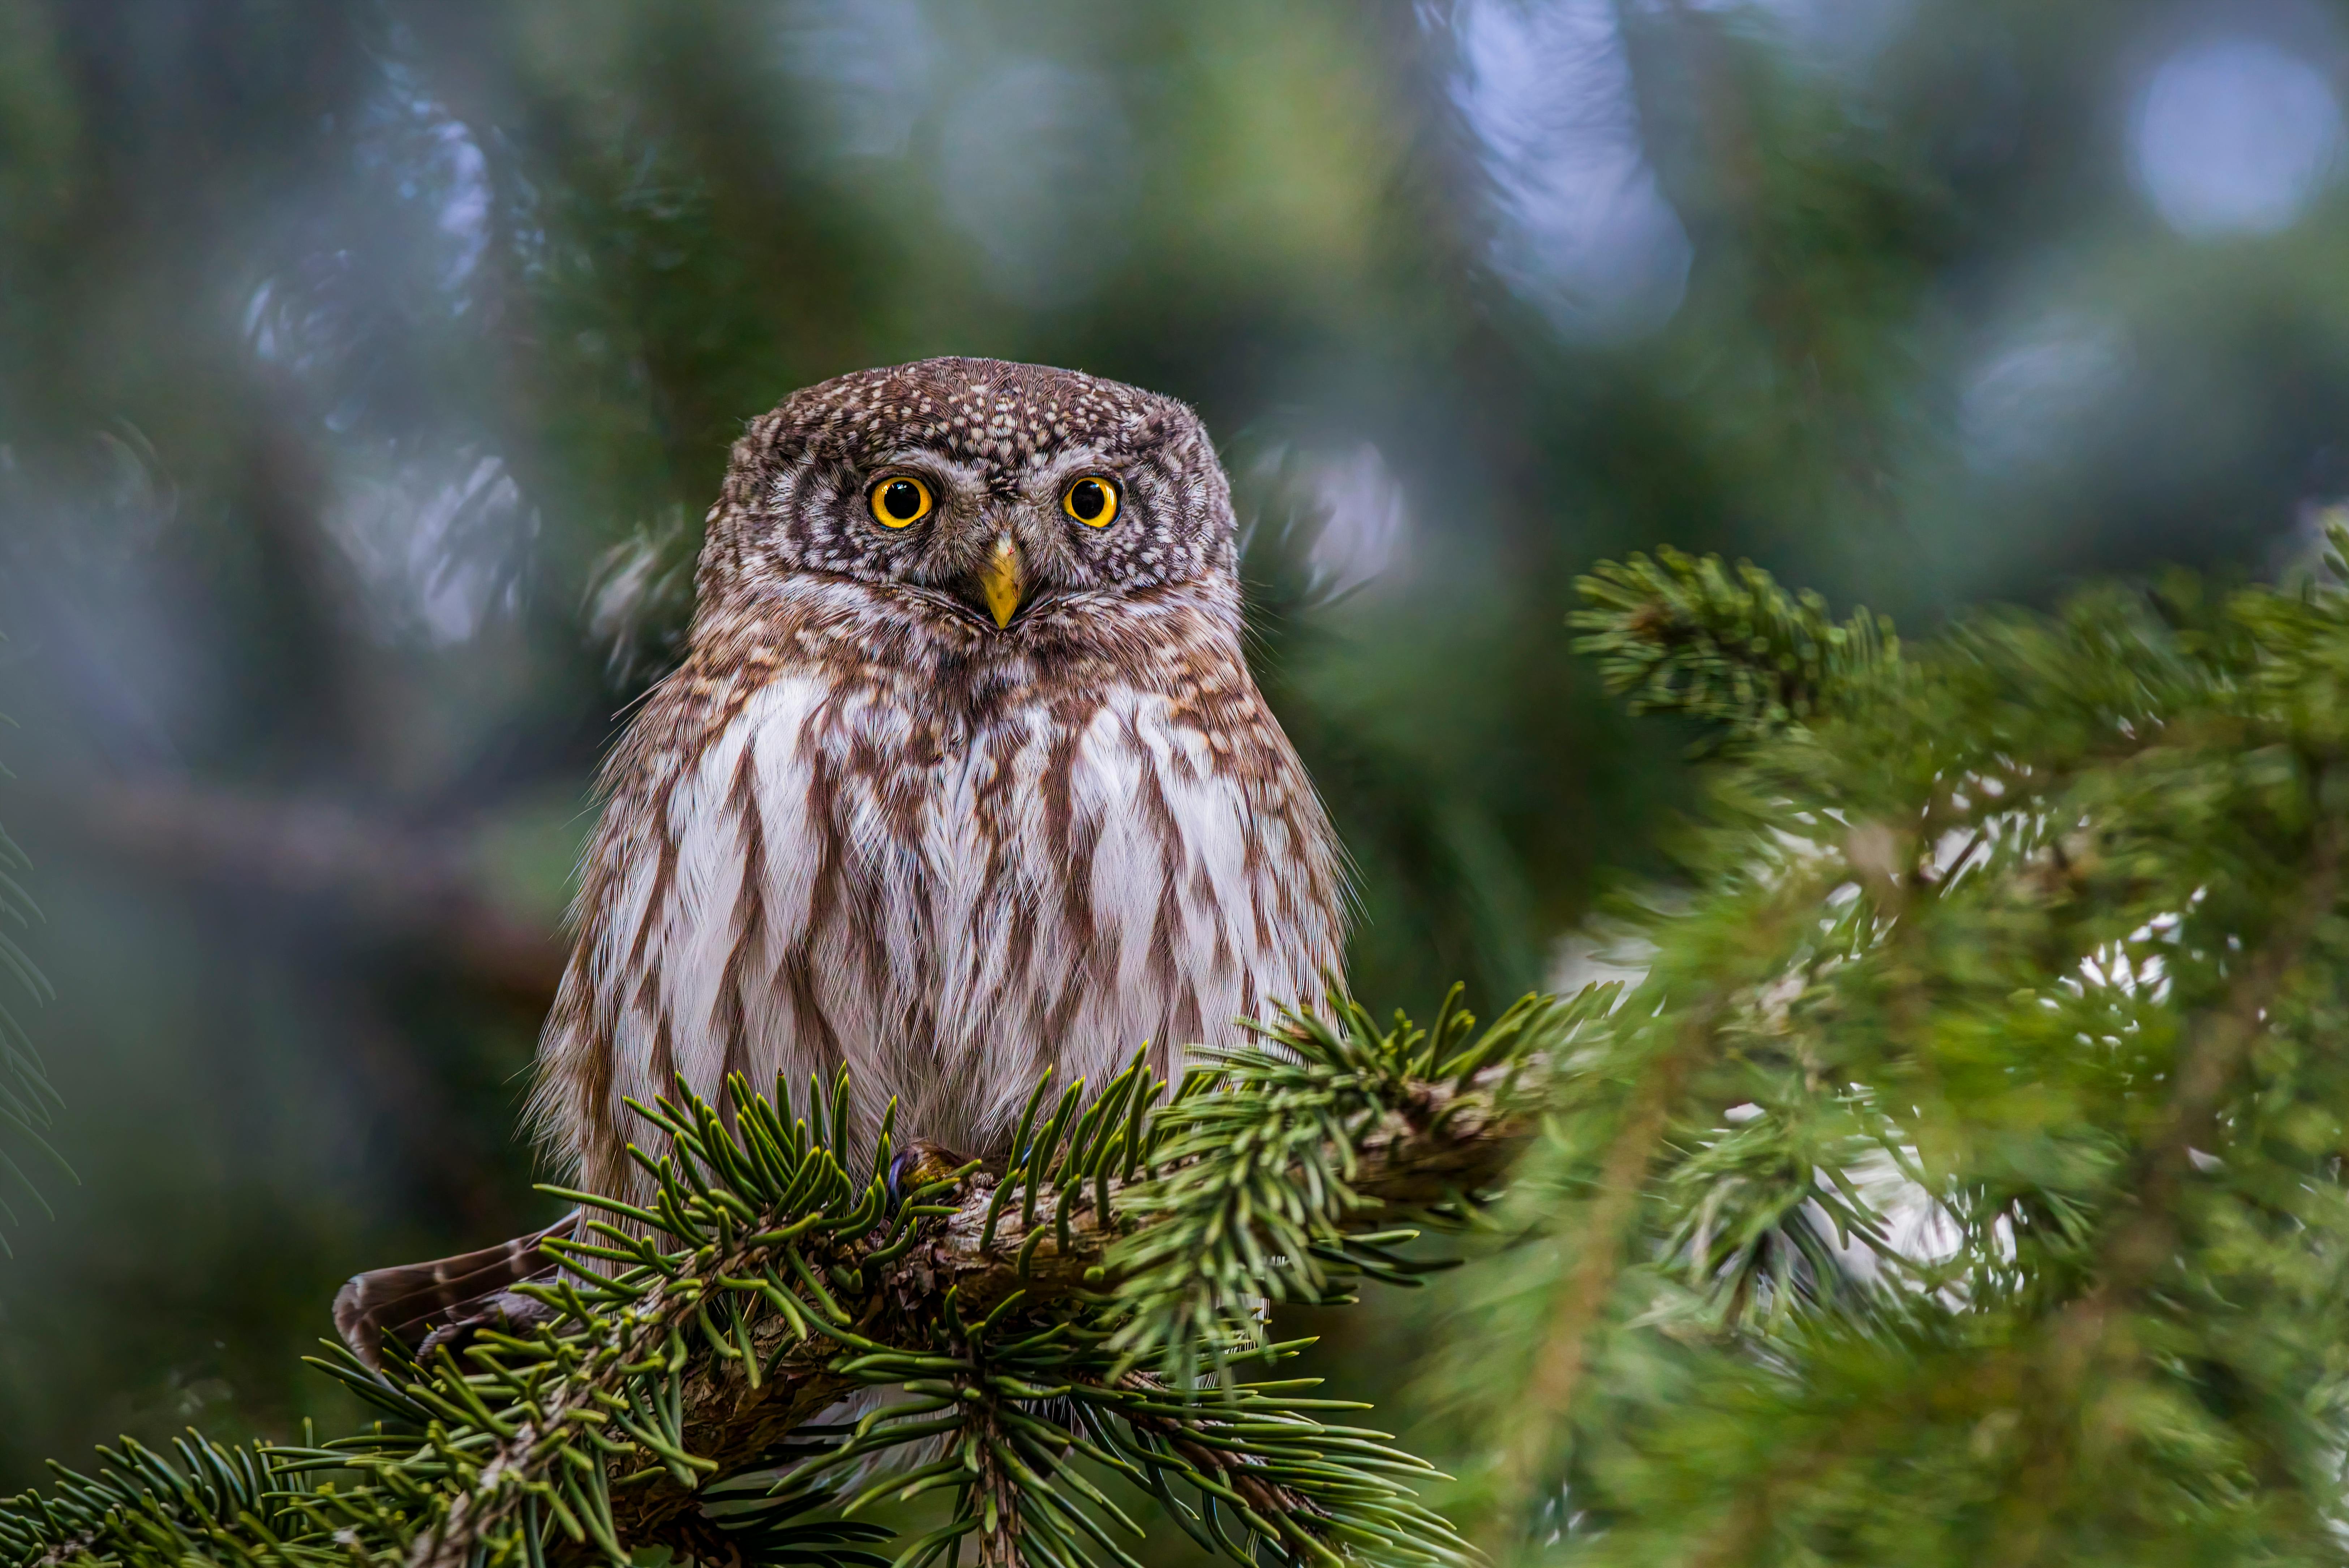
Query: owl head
point(984, 497)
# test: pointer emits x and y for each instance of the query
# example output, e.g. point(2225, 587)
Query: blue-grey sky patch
point(1581, 228)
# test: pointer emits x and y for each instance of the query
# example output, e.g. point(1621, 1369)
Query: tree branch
point(2088, 1334)
point(691, 1342)
point(424, 890)
point(1448, 1141)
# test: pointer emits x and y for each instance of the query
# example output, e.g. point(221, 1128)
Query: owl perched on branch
point(964, 776)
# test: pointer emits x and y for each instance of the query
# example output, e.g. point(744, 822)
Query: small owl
point(964, 776)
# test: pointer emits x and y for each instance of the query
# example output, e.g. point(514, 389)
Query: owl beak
point(998, 581)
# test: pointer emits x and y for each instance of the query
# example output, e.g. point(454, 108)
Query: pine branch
point(1257, 1205)
point(1559, 1359)
point(2082, 1336)
point(1005, 1308)
point(425, 891)
point(1680, 633)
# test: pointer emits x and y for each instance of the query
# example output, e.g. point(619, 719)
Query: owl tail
point(423, 1306)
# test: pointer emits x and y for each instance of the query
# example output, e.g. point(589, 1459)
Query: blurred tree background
point(364, 366)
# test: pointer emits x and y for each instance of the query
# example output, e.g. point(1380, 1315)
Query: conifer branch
point(2082, 1337)
point(2215, 1050)
point(1687, 634)
point(775, 1282)
point(2003, 1212)
point(1560, 1355)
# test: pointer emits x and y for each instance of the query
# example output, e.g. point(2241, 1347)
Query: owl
point(963, 777)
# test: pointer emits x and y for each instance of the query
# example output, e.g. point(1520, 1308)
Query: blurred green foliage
point(364, 367)
point(1960, 1179)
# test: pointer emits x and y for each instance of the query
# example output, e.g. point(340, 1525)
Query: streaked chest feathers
point(948, 902)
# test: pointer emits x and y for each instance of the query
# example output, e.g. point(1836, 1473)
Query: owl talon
point(920, 1164)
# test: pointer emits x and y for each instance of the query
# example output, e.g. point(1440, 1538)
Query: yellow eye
point(1091, 500)
point(899, 502)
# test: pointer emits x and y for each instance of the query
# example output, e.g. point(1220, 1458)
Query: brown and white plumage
point(865, 823)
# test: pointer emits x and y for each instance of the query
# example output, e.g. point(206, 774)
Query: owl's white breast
point(849, 872)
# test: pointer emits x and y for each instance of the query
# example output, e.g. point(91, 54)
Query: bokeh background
point(364, 368)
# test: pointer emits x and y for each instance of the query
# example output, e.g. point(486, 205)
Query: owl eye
point(1091, 500)
point(899, 502)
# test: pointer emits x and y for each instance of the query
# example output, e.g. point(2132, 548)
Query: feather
point(412, 1302)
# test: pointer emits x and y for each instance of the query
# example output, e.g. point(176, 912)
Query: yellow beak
point(998, 581)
